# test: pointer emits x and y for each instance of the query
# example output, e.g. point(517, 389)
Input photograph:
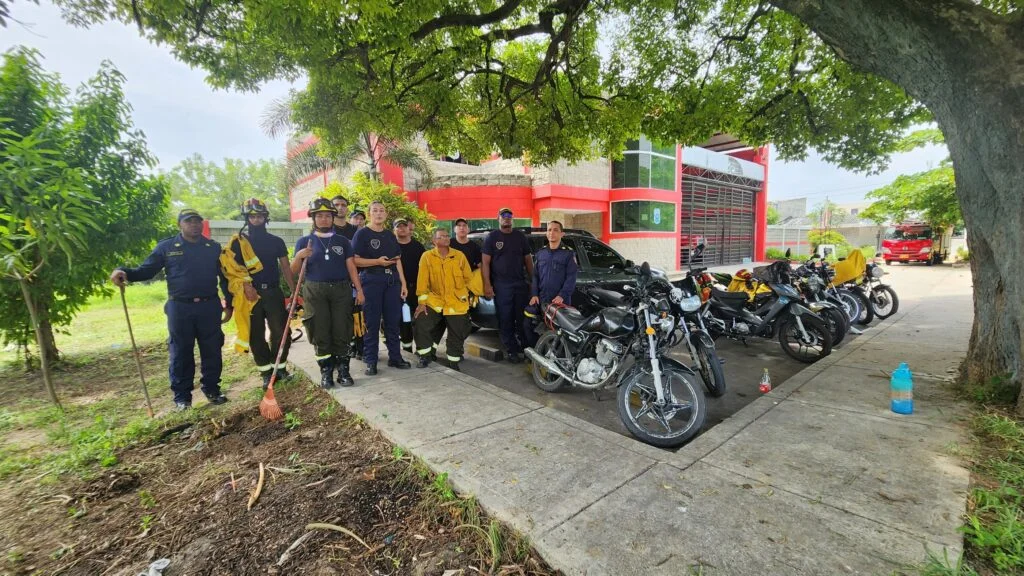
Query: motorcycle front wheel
point(838, 323)
point(815, 346)
point(867, 314)
point(667, 426)
point(552, 348)
point(710, 369)
point(884, 301)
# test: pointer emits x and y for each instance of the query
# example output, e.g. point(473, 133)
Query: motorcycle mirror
point(630, 264)
point(645, 269)
point(789, 252)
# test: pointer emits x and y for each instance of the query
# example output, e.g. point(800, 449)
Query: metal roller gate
point(720, 208)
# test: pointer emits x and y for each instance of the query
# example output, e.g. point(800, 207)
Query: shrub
point(962, 254)
point(819, 237)
point(774, 254)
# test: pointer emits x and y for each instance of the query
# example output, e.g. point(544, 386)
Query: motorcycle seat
point(608, 297)
point(729, 298)
point(569, 318)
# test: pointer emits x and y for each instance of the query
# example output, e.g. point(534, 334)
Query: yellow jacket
point(237, 276)
point(443, 282)
point(252, 262)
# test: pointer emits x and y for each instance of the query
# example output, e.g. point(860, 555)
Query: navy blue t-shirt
point(371, 245)
point(507, 252)
point(327, 264)
point(269, 249)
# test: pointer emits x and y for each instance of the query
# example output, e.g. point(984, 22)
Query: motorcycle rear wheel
point(638, 408)
point(867, 314)
point(838, 323)
point(551, 347)
point(817, 347)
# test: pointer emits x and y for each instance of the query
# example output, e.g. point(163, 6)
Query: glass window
point(601, 256)
point(643, 216)
point(663, 175)
point(662, 149)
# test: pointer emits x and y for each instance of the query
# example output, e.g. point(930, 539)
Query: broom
point(269, 407)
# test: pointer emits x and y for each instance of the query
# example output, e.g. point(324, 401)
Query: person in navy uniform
point(412, 251)
point(379, 259)
point(270, 310)
point(554, 275)
point(327, 293)
point(341, 223)
point(192, 266)
point(507, 266)
point(463, 244)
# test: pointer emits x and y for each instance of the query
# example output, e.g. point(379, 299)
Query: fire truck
point(915, 241)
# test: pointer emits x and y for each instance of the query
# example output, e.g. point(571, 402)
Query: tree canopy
point(75, 200)
point(365, 189)
point(218, 191)
point(928, 195)
point(532, 76)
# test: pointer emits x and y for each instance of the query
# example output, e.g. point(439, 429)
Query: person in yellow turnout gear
point(442, 291)
point(264, 257)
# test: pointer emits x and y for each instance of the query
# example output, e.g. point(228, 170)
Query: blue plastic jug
point(901, 390)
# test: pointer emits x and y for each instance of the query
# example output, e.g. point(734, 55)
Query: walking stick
point(138, 357)
point(269, 407)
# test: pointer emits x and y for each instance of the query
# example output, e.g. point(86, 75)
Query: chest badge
point(375, 244)
point(339, 250)
point(499, 245)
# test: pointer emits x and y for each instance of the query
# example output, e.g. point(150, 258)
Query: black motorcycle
point(803, 335)
point(623, 346)
point(881, 297)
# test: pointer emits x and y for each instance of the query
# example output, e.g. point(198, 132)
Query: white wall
point(660, 252)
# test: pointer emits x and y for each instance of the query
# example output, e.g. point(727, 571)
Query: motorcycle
point(812, 282)
point(881, 297)
point(686, 303)
point(853, 301)
point(803, 335)
point(658, 399)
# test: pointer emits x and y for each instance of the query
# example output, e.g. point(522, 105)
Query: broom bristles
point(269, 407)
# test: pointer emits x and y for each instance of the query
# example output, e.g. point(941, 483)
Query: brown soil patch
point(175, 499)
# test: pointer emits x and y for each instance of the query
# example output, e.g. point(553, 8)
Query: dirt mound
point(185, 498)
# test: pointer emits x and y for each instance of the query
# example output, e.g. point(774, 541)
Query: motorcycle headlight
point(877, 272)
point(661, 305)
point(690, 303)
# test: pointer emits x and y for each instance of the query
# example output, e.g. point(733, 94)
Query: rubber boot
point(326, 372)
point(344, 377)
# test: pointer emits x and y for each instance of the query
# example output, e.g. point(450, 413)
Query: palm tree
point(368, 149)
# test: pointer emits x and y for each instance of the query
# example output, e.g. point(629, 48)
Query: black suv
point(599, 266)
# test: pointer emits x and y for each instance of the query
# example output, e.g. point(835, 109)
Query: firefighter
point(412, 251)
point(265, 257)
point(554, 275)
point(507, 265)
point(463, 244)
point(442, 291)
point(341, 223)
point(378, 257)
point(192, 266)
point(357, 219)
point(327, 292)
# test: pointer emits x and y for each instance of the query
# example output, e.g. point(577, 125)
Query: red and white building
point(650, 206)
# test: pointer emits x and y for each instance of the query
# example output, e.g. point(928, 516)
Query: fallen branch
point(338, 491)
point(288, 553)
point(287, 470)
point(318, 482)
point(336, 528)
point(259, 488)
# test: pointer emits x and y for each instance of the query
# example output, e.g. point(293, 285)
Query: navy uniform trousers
point(510, 299)
point(187, 324)
point(383, 293)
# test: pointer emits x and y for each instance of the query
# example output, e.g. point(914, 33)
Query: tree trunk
point(966, 64)
point(48, 346)
point(44, 362)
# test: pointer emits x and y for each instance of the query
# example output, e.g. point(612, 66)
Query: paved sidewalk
point(817, 477)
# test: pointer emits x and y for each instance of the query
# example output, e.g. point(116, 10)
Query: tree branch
point(464, 20)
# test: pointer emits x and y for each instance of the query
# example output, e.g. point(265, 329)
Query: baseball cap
point(188, 213)
point(400, 222)
point(357, 213)
point(505, 212)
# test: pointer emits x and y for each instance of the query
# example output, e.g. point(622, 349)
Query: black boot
point(371, 370)
point(326, 372)
point(344, 377)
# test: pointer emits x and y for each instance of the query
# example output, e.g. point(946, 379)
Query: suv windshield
point(908, 234)
point(601, 256)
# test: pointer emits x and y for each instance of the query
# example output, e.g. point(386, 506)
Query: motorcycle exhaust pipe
point(547, 364)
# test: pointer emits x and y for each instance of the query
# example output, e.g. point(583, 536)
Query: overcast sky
point(181, 114)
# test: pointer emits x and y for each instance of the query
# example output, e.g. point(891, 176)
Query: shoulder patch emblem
point(375, 243)
point(499, 245)
point(177, 244)
point(208, 244)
